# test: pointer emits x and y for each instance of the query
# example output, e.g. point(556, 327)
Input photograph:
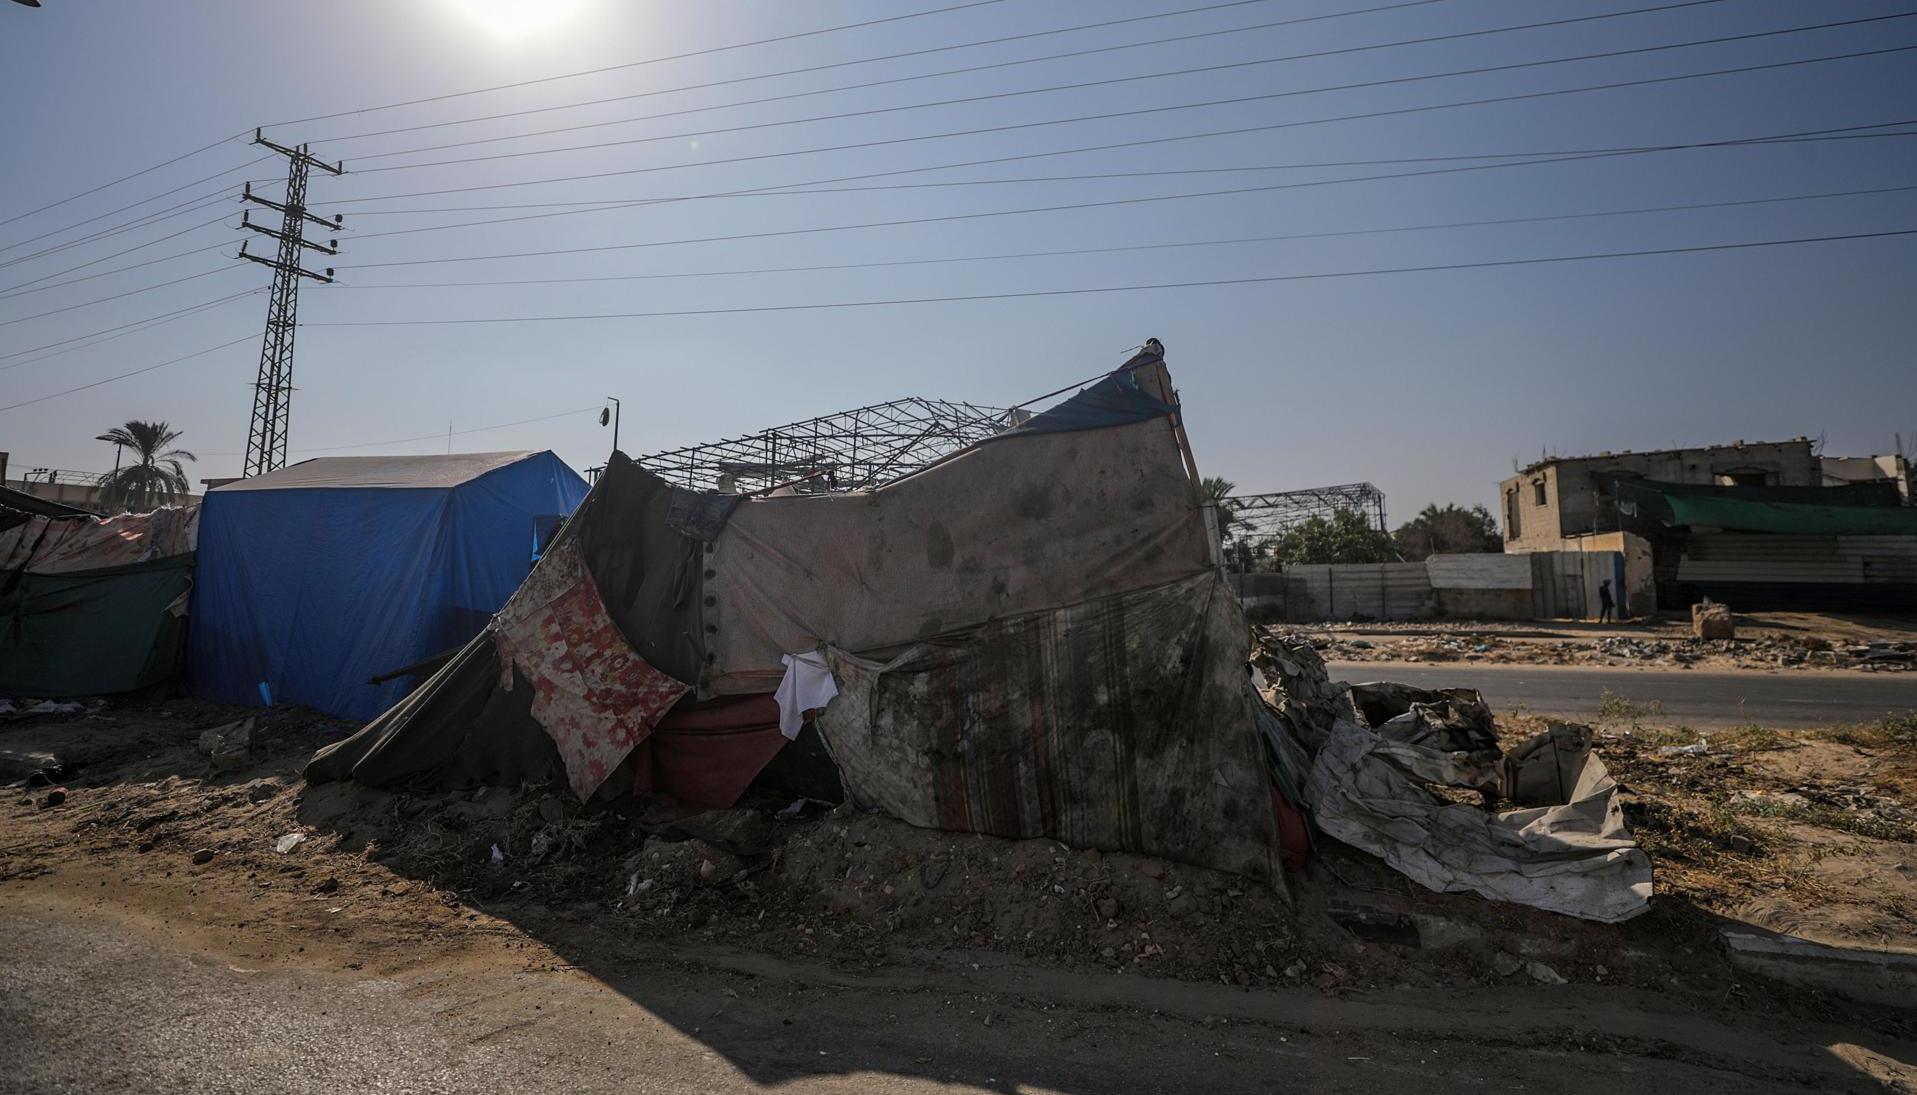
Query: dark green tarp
point(1866, 509)
point(92, 632)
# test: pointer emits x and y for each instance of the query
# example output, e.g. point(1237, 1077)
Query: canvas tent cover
point(92, 606)
point(319, 576)
point(1030, 638)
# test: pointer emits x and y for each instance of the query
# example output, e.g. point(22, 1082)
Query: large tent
point(1031, 637)
point(316, 578)
point(89, 605)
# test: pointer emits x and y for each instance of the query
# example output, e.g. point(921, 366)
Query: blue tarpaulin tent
point(314, 578)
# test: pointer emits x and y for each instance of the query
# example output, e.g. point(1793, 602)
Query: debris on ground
point(1821, 846)
point(1713, 621)
point(1640, 644)
point(229, 747)
point(1380, 781)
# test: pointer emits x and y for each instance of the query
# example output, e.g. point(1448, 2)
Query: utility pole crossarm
point(338, 222)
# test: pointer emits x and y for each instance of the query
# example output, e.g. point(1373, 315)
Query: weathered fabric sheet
point(1576, 858)
point(93, 632)
point(1122, 724)
point(1015, 526)
point(67, 545)
point(593, 694)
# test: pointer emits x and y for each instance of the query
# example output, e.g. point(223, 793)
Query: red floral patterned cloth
point(591, 691)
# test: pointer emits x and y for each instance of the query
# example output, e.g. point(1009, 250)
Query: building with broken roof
point(1765, 525)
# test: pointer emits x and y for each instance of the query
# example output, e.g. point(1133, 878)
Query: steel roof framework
point(1260, 517)
point(848, 450)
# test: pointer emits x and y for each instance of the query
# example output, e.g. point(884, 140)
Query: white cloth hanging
point(806, 686)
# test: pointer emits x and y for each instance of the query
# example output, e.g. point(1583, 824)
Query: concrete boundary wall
point(1491, 586)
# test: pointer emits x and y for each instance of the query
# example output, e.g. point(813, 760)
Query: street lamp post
point(611, 415)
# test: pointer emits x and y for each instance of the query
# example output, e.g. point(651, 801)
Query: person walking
point(1606, 607)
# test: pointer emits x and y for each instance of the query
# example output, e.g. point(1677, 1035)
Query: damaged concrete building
point(1763, 525)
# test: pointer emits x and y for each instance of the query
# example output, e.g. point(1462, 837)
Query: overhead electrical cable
point(1137, 142)
point(434, 436)
point(707, 52)
point(1206, 283)
point(137, 204)
point(15, 289)
point(252, 337)
point(1456, 36)
point(1124, 248)
point(780, 191)
point(926, 51)
point(985, 214)
point(119, 296)
point(146, 321)
point(115, 182)
point(110, 273)
point(158, 217)
point(1170, 73)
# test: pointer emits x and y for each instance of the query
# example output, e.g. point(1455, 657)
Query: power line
point(1198, 70)
point(109, 273)
point(1010, 94)
point(154, 320)
point(1133, 143)
point(125, 375)
point(648, 61)
point(147, 220)
point(786, 189)
point(134, 205)
point(115, 182)
point(1230, 241)
point(106, 338)
point(14, 290)
point(1208, 283)
point(433, 436)
point(1056, 208)
point(926, 51)
point(117, 296)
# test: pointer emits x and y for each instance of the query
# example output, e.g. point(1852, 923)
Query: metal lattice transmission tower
point(1258, 517)
point(863, 447)
point(273, 391)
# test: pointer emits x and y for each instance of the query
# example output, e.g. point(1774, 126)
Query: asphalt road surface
point(1688, 697)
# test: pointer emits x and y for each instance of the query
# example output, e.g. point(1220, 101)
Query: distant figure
point(1606, 607)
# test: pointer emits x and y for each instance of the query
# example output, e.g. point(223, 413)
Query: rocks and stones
point(229, 746)
point(1713, 621)
point(260, 790)
point(53, 798)
point(204, 855)
point(1544, 974)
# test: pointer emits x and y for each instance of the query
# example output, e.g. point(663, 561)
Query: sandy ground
point(915, 961)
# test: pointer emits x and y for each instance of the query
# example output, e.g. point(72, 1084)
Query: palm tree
point(156, 475)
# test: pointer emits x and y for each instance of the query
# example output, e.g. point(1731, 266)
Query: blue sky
point(1428, 384)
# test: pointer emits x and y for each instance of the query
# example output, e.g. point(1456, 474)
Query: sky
point(1430, 384)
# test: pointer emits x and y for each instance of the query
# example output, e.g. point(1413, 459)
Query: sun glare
point(511, 20)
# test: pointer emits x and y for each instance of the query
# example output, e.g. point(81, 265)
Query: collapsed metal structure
point(849, 450)
point(1258, 517)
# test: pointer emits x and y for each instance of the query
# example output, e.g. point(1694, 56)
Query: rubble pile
point(1759, 652)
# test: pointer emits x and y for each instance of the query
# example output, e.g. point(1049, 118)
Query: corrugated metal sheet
point(1480, 571)
point(1808, 573)
point(1756, 557)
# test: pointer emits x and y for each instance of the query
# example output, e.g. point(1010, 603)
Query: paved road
point(1691, 697)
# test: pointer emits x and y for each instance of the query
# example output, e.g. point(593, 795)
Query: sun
point(512, 20)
